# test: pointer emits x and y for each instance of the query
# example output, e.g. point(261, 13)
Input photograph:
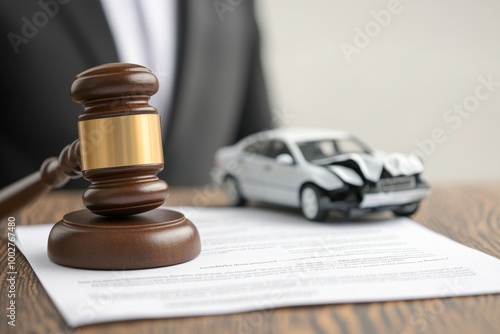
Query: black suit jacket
point(219, 93)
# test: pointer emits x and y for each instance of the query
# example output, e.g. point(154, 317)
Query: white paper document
point(256, 259)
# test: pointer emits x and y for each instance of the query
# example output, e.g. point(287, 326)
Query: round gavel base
point(153, 239)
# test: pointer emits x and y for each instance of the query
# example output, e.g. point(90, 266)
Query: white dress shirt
point(145, 34)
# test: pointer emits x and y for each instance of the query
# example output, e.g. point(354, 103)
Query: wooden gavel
point(119, 151)
point(54, 173)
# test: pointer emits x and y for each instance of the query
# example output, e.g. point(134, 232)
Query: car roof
point(296, 134)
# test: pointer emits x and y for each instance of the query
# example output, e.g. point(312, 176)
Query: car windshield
point(320, 151)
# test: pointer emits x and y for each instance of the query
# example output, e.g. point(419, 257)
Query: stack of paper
point(254, 259)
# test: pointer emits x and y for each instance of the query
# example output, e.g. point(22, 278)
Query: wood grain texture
point(469, 214)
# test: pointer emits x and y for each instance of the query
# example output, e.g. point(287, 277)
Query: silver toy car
point(319, 170)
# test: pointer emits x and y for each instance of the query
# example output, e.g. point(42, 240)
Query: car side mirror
point(285, 159)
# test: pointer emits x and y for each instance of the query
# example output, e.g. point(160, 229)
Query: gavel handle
point(53, 173)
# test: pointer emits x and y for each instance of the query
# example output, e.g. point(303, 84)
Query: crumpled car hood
point(371, 165)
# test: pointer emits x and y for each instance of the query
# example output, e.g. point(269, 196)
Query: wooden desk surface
point(469, 214)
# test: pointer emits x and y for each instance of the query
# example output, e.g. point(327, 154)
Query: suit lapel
point(211, 79)
point(180, 52)
point(87, 25)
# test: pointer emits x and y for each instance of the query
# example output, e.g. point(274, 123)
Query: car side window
point(259, 147)
point(317, 150)
point(277, 147)
point(350, 146)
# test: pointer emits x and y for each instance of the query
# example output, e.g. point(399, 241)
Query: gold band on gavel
point(120, 141)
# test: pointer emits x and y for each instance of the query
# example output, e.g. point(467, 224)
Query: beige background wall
point(402, 75)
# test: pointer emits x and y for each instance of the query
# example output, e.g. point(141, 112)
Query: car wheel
point(311, 203)
point(406, 210)
point(233, 192)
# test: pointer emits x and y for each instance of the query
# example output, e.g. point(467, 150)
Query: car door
point(253, 163)
point(280, 176)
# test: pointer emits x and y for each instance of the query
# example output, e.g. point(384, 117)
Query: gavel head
point(120, 139)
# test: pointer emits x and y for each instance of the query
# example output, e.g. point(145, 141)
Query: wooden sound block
point(157, 238)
